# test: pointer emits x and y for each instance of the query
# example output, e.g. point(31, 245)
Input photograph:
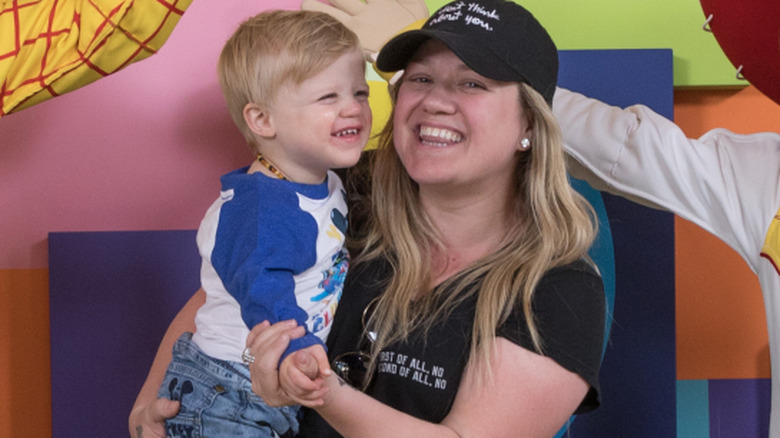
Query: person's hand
point(148, 421)
point(267, 343)
point(302, 376)
point(374, 21)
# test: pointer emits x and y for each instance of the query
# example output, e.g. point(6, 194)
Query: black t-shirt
point(421, 378)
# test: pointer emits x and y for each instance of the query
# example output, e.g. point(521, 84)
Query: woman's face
point(454, 127)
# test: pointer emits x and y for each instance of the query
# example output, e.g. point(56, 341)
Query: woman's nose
point(439, 99)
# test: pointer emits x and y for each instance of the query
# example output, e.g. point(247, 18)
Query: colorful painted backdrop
point(143, 149)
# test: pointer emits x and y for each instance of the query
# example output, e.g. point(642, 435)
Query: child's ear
point(259, 120)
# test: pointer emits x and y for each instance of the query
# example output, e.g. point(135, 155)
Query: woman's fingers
point(267, 343)
point(149, 421)
point(265, 336)
point(256, 330)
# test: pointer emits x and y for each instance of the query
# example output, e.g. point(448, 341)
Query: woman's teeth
point(438, 136)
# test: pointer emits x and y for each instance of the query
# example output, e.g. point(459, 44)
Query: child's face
point(323, 122)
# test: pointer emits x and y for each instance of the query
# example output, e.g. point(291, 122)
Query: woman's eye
point(475, 85)
point(419, 79)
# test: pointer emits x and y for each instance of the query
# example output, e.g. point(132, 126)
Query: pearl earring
point(525, 144)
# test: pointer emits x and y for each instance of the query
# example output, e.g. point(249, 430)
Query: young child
point(272, 244)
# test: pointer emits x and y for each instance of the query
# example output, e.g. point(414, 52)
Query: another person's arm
point(374, 21)
point(724, 182)
point(149, 412)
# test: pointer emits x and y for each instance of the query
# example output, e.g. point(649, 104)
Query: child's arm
point(265, 281)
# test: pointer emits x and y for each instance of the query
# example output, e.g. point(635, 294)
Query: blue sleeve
point(263, 240)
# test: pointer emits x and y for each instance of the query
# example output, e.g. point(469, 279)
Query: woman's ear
point(259, 120)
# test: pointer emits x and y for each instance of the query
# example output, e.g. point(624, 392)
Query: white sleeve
point(728, 184)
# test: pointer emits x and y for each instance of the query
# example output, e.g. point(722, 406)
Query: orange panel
point(25, 370)
point(721, 325)
point(744, 111)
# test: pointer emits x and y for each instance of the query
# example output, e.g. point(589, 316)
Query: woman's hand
point(147, 418)
point(148, 421)
point(267, 343)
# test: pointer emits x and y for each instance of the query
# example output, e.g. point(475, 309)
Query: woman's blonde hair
point(274, 48)
point(553, 225)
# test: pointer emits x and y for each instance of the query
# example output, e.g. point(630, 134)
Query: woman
point(483, 319)
point(498, 333)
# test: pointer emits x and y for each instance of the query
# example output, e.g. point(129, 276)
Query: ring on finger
point(247, 356)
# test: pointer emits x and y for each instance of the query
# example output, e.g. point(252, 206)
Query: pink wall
point(141, 149)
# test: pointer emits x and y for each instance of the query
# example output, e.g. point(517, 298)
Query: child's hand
point(302, 375)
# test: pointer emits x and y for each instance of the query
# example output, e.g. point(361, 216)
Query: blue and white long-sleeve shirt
point(272, 250)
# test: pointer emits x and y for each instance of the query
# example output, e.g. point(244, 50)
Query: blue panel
point(112, 296)
point(621, 77)
point(602, 253)
point(693, 408)
point(639, 371)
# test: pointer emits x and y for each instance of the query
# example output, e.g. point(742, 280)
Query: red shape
point(748, 31)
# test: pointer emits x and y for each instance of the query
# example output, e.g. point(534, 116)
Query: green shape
point(637, 24)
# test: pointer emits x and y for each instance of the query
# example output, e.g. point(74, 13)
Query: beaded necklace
point(271, 167)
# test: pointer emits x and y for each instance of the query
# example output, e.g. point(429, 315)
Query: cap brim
point(397, 53)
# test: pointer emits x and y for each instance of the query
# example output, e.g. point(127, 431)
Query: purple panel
point(739, 408)
point(112, 295)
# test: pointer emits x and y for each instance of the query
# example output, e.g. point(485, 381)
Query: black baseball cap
point(498, 39)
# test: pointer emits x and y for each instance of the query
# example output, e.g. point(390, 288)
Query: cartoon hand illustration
point(374, 21)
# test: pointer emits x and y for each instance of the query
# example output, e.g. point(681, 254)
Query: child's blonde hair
point(273, 48)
